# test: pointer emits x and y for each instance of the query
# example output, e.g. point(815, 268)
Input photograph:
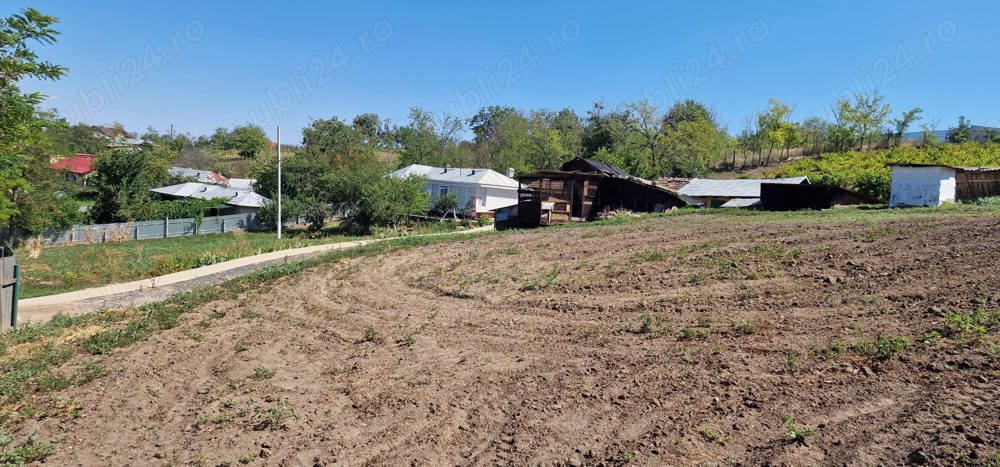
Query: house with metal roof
point(237, 200)
point(483, 190)
point(736, 193)
point(935, 184)
point(77, 168)
point(201, 176)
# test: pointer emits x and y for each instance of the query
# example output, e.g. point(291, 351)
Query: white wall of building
point(922, 186)
point(489, 198)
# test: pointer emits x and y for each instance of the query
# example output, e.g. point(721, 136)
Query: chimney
point(510, 172)
point(446, 167)
point(473, 172)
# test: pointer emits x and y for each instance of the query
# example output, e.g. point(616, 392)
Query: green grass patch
point(66, 268)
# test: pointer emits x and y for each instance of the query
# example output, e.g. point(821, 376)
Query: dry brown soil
point(530, 349)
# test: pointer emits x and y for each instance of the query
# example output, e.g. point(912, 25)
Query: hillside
point(672, 340)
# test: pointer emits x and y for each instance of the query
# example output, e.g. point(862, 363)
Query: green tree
point(388, 201)
point(865, 116)
point(123, 180)
point(961, 133)
point(248, 141)
point(28, 200)
point(692, 140)
point(903, 123)
point(425, 142)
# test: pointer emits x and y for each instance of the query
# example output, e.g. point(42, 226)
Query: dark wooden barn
point(787, 197)
point(584, 188)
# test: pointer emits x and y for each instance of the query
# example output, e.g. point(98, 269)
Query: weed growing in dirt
point(930, 338)
point(248, 458)
point(407, 339)
point(371, 335)
point(272, 416)
point(830, 352)
point(243, 347)
point(689, 334)
point(262, 373)
point(648, 324)
point(29, 451)
point(544, 280)
point(649, 256)
point(92, 370)
point(704, 321)
point(972, 325)
point(714, 436)
point(744, 328)
point(796, 434)
point(882, 348)
point(792, 360)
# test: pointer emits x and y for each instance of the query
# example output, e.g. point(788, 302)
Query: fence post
point(16, 295)
point(135, 232)
point(166, 222)
point(223, 225)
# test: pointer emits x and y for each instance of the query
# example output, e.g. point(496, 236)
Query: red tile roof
point(80, 164)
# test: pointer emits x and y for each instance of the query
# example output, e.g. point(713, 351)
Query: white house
point(921, 185)
point(488, 190)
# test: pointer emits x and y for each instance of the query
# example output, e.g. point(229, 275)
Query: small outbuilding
point(792, 197)
point(743, 192)
point(581, 190)
point(935, 184)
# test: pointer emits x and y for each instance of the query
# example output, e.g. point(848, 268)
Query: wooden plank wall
point(977, 184)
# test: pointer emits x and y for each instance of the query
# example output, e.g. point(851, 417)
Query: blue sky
point(204, 64)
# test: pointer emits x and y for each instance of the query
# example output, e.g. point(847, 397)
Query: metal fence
point(9, 283)
point(144, 230)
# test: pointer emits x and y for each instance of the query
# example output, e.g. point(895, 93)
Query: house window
point(443, 191)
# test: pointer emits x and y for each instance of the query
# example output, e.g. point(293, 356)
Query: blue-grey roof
point(738, 188)
point(481, 177)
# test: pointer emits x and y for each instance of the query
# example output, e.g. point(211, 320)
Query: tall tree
point(693, 140)
point(249, 141)
point(122, 182)
point(866, 116)
point(903, 123)
point(27, 204)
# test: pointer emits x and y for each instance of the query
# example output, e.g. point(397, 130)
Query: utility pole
point(279, 182)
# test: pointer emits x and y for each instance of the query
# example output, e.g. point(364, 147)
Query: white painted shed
point(922, 185)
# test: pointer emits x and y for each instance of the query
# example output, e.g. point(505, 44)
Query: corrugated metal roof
point(481, 177)
point(241, 183)
point(738, 188)
point(234, 197)
point(944, 166)
point(741, 203)
point(80, 164)
point(203, 176)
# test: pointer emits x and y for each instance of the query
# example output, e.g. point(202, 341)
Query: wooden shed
point(582, 189)
point(786, 197)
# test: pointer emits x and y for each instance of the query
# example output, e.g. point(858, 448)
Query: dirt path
point(674, 341)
